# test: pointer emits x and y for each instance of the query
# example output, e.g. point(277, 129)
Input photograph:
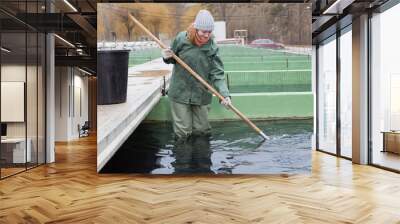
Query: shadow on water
point(233, 148)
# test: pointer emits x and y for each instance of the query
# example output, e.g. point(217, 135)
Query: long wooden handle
point(198, 77)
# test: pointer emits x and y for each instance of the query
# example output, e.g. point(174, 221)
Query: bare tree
point(286, 23)
point(129, 24)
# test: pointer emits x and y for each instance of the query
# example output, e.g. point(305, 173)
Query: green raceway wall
point(256, 106)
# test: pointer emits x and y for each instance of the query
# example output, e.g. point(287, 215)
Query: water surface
point(233, 148)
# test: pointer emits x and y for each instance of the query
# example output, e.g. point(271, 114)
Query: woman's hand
point(167, 53)
point(227, 102)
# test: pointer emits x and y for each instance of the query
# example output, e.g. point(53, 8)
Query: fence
point(269, 81)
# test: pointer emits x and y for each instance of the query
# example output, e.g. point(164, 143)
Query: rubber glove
point(226, 102)
point(167, 53)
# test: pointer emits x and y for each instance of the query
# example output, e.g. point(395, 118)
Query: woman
point(189, 99)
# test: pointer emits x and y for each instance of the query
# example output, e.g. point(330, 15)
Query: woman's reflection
point(192, 155)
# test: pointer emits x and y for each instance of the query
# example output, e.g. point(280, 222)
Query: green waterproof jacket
point(204, 60)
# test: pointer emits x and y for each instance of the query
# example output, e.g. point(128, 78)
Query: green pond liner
point(256, 106)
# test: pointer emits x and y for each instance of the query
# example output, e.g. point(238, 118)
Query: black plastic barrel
point(112, 76)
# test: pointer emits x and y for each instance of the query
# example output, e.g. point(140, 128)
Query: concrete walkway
point(116, 122)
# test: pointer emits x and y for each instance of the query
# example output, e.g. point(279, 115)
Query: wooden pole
point(199, 78)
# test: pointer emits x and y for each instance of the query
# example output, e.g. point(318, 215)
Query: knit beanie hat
point(204, 21)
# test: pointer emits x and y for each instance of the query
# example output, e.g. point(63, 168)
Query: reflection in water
point(192, 155)
point(232, 148)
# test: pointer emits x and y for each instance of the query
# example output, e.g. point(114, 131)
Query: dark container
point(112, 76)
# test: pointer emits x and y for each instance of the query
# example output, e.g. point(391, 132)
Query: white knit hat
point(204, 21)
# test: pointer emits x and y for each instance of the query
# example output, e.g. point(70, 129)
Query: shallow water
point(233, 148)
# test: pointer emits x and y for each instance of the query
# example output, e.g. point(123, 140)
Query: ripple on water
point(233, 148)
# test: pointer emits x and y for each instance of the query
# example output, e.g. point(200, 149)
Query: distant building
point(220, 30)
